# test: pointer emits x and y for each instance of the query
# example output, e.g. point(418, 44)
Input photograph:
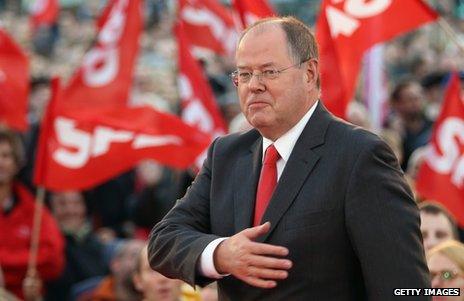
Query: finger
point(270, 262)
point(257, 231)
point(268, 274)
point(256, 282)
point(267, 249)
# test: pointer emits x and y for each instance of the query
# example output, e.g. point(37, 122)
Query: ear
point(312, 72)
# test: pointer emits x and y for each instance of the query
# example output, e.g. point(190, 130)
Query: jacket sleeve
point(176, 243)
point(384, 225)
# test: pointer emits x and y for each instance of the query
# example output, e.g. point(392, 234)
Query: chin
point(259, 121)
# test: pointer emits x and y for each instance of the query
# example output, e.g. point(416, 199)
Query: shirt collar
point(287, 141)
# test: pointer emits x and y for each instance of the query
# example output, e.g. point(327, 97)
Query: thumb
point(254, 232)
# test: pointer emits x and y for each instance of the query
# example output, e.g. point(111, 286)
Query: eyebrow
point(260, 66)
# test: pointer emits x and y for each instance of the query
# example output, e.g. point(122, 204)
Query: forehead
point(413, 89)
point(68, 197)
point(5, 146)
point(439, 262)
point(435, 221)
point(264, 44)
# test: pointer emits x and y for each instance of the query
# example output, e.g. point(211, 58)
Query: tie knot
point(272, 155)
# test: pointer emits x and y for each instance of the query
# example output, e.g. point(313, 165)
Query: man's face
point(410, 102)
point(69, 210)
point(8, 167)
point(273, 106)
point(435, 229)
point(38, 100)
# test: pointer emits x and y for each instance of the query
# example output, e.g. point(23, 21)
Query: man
point(84, 252)
point(408, 102)
point(341, 223)
point(17, 207)
point(437, 224)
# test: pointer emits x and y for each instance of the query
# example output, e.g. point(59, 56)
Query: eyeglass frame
point(234, 75)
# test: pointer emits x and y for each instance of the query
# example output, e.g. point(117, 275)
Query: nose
point(432, 241)
point(256, 83)
point(436, 282)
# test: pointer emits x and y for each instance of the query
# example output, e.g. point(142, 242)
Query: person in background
point(119, 285)
point(39, 96)
point(155, 195)
point(446, 265)
point(17, 207)
point(433, 84)
point(209, 292)
point(408, 104)
point(84, 251)
point(437, 224)
point(152, 285)
point(108, 203)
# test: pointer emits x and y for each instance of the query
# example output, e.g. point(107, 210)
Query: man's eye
point(270, 72)
point(441, 234)
point(244, 75)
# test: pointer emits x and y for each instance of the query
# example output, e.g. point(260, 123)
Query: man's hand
point(254, 263)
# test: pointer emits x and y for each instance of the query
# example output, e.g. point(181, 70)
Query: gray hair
point(301, 42)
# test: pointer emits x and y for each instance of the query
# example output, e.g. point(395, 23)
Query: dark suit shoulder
point(357, 137)
point(236, 143)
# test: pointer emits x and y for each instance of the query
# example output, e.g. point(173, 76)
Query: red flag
point(441, 176)
point(199, 108)
point(251, 11)
point(105, 76)
point(80, 149)
point(346, 29)
point(208, 25)
point(44, 12)
point(14, 84)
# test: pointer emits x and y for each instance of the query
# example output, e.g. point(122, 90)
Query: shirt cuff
point(207, 267)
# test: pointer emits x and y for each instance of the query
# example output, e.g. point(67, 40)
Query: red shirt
point(15, 239)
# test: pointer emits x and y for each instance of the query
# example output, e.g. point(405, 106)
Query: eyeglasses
point(244, 77)
point(445, 275)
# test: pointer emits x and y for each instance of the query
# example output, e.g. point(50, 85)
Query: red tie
point(267, 183)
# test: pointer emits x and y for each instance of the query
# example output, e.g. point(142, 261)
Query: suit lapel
point(300, 164)
point(246, 177)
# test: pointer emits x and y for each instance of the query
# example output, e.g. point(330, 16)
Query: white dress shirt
point(284, 146)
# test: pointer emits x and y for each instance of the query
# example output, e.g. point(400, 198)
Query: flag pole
point(37, 223)
point(451, 33)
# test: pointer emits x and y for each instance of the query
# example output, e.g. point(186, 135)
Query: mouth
point(257, 104)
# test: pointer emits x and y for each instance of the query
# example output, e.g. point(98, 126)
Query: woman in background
point(446, 265)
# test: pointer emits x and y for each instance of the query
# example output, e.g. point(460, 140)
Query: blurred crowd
point(92, 243)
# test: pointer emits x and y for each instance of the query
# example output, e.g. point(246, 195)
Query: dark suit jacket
point(341, 207)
